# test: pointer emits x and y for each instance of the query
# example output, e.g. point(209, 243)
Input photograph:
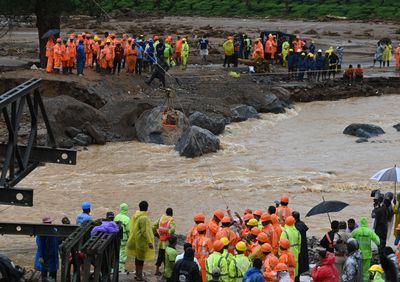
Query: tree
point(48, 14)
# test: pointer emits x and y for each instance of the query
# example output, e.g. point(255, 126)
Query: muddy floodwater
point(302, 153)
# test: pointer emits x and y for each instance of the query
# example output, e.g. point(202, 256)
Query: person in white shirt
point(180, 256)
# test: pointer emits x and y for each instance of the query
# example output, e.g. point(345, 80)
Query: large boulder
point(363, 130)
point(68, 116)
point(196, 141)
point(149, 127)
point(216, 126)
point(272, 104)
point(243, 112)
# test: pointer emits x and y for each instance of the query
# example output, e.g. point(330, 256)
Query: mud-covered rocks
point(196, 141)
point(149, 127)
point(272, 104)
point(215, 125)
point(363, 130)
point(242, 113)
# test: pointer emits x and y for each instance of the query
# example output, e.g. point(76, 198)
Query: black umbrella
point(327, 207)
point(50, 33)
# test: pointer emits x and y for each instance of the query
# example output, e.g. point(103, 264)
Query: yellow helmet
point(225, 241)
point(108, 40)
point(241, 246)
point(253, 222)
point(311, 55)
point(376, 267)
point(95, 38)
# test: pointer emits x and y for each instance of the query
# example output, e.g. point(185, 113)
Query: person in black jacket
point(381, 223)
point(333, 63)
point(329, 240)
point(159, 72)
point(186, 269)
point(303, 257)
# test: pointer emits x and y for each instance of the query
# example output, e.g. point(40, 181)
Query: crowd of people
point(254, 246)
point(108, 54)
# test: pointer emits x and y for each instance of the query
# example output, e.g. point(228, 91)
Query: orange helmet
point(155, 37)
point(258, 212)
point(117, 42)
point(266, 248)
point(398, 227)
point(71, 36)
point(248, 216)
point(290, 220)
point(59, 40)
point(124, 35)
point(112, 35)
point(265, 217)
point(201, 227)
point(255, 231)
point(88, 35)
point(281, 267)
point(274, 218)
point(284, 243)
point(199, 217)
point(83, 34)
point(218, 245)
point(285, 198)
point(248, 211)
point(262, 237)
point(219, 214)
point(226, 219)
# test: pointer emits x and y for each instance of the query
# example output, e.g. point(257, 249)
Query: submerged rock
point(243, 112)
point(149, 128)
point(216, 126)
point(363, 130)
point(362, 140)
point(397, 126)
point(196, 141)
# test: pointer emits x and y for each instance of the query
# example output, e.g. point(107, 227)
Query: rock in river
point(397, 126)
point(196, 141)
point(149, 127)
point(243, 112)
point(363, 130)
point(216, 126)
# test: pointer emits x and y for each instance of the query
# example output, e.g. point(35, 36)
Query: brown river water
point(302, 153)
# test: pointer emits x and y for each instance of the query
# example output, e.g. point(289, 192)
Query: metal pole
point(329, 217)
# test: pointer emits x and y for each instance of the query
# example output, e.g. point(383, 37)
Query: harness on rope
point(169, 116)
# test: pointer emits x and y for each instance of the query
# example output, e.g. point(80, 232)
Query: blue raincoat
point(47, 248)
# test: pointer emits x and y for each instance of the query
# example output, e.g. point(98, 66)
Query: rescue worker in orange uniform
point(246, 228)
point(269, 230)
point(257, 215)
point(298, 44)
point(270, 261)
point(89, 51)
point(50, 54)
point(213, 224)
point(225, 231)
point(270, 48)
point(276, 225)
point(102, 59)
point(287, 257)
point(192, 234)
point(72, 52)
point(258, 51)
point(96, 52)
point(131, 57)
point(64, 57)
point(256, 251)
point(283, 210)
point(57, 56)
point(127, 45)
point(251, 240)
point(397, 57)
point(178, 50)
point(203, 247)
point(109, 51)
point(124, 42)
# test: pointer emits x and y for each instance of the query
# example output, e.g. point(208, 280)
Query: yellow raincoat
point(140, 236)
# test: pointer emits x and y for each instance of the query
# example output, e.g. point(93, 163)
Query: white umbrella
point(391, 174)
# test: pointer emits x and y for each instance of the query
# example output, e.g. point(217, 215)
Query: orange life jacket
point(163, 229)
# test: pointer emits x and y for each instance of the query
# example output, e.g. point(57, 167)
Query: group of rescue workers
point(254, 247)
point(109, 54)
point(257, 246)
